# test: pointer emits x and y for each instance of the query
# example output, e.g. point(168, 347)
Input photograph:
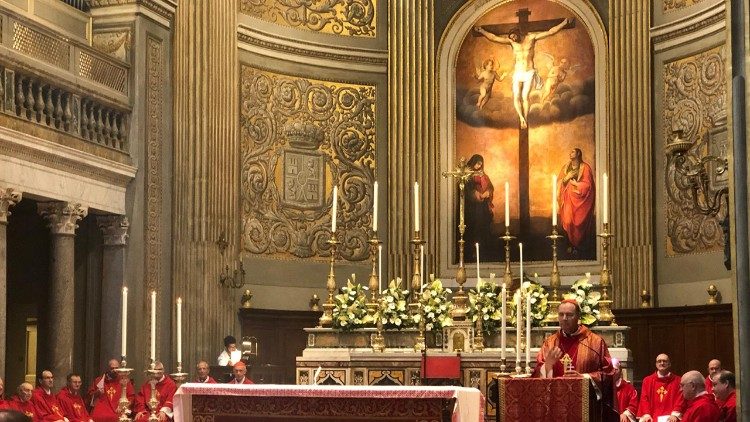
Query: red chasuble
point(702, 409)
point(5, 404)
point(105, 408)
point(627, 398)
point(587, 352)
point(27, 408)
point(709, 385)
point(72, 405)
point(729, 408)
point(165, 390)
point(46, 405)
point(660, 396)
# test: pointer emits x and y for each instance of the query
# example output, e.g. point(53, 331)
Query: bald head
point(24, 391)
point(714, 367)
point(692, 384)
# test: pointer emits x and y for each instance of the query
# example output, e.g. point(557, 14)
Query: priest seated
point(573, 349)
point(165, 389)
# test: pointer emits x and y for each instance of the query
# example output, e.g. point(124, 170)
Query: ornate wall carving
point(115, 43)
point(695, 101)
point(299, 137)
point(672, 5)
point(344, 17)
point(154, 107)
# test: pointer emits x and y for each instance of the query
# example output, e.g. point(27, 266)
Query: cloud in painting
point(568, 102)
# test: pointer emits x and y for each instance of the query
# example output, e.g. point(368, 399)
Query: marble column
point(115, 238)
point(62, 219)
point(8, 198)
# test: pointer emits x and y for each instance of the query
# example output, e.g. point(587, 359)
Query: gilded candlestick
point(415, 308)
point(123, 374)
point(554, 279)
point(416, 278)
point(508, 276)
point(374, 276)
point(326, 320)
point(153, 401)
point(605, 303)
point(179, 377)
point(478, 343)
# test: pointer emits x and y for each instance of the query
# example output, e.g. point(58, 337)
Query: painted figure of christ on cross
point(522, 37)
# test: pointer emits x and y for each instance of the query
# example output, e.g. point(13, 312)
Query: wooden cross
point(524, 26)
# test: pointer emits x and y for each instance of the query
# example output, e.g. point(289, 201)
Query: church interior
point(347, 187)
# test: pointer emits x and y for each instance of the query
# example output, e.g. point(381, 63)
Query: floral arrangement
point(486, 300)
point(539, 305)
point(588, 300)
point(393, 312)
point(436, 306)
point(350, 308)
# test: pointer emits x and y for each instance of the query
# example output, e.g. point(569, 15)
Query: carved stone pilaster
point(8, 198)
point(62, 217)
point(114, 229)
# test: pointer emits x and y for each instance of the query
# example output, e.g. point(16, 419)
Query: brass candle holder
point(478, 341)
point(503, 368)
point(416, 278)
point(374, 284)
point(326, 320)
point(123, 374)
point(378, 341)
point(179, 377)
point(415, 308)
point(153, 401)
point(554, 279)
point(508, 276)
point(605, 303)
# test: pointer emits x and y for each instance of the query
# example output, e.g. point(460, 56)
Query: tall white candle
point(503, 321)
point(153, 326)
point(476, 246)
point(421, 268)
point(179, 330)
point(507, 206)
point(124, 333)
point(380, 265)
point(519, 321)
point(554, 199)
point(605, 200)
point(375, 207)
point(520, 261)
point(416, 206)
point(335, 208)
point(528, 327)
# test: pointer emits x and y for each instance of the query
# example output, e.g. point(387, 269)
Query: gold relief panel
point(342, 17)
point(299, 138)
point(673, 5)
point(695, 102)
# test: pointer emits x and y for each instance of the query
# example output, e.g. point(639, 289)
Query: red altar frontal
point(266, 403)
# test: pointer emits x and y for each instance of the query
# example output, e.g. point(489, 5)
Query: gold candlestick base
point(326, 320)
point(415, 308)
point(605, 304)
point(153, 402)
point(554, 281)
point(123, 406)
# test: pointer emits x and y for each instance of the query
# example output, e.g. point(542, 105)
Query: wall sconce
point(697, 173)
point(236, 279)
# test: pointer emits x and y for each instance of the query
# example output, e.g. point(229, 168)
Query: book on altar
point(662, 418)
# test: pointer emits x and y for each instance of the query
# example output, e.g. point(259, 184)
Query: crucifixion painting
point(523, 127)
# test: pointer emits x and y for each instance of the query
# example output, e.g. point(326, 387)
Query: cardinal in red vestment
point(627, 397)
point(46, 404)
point(660, 393)
point(202, 373)
point(714, 367)
point(105, 394)
point(22, 401)
point(700, 406)
point(240, 371)
point(576, 193)
point(573, 349)
point(4, 404)
point(71, 401)
point(165, 389)
point(726, 398)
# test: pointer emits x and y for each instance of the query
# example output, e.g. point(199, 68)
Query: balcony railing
point(81, 5)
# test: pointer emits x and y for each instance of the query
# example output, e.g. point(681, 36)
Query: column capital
point(114, 229)
point(62, 217)
point(8, 198)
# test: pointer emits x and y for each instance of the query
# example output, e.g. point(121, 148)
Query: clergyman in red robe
point(627, 397)
point(701, 406)
point(165, 389)
point(22, 401)
point(71, 401)
point(726, 398)
point(105, 394)
point(46, 404)
point(575, 197)
point(660, 393)
point(240, 374)
point(4, 404)
point(202, 373)
point(714, 367)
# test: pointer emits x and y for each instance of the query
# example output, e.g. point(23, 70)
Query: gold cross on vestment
point(567, 362)
point(661, 392)
point(111, 392)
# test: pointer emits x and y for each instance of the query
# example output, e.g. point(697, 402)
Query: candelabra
point(478, 344)
point(416, 278)
point(415, 308)
point(374, 276)
point(605, 303)
point(554, 280)
point(508, 276)
point(123, 374)
point(326, 320)
point(378, 341)
point(153, 401)
point(179, 377)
